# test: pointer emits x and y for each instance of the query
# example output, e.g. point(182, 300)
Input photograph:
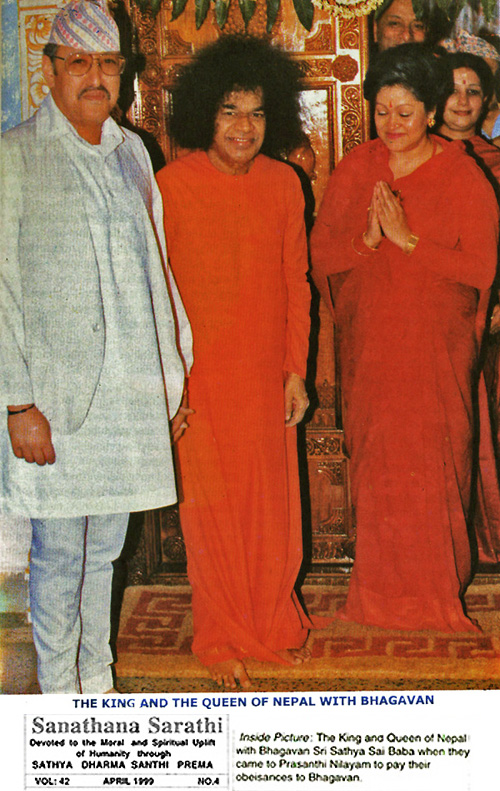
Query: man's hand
point(178, 424)
point(30, 436)
point(296, 400)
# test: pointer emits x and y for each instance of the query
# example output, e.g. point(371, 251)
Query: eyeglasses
point(79, 63)
point(415, 27)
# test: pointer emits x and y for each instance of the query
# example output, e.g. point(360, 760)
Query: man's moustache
point(92, 90)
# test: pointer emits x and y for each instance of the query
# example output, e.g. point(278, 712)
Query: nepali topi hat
point(85, 25)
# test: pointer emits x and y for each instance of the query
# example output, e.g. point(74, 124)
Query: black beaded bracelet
point(19, 411)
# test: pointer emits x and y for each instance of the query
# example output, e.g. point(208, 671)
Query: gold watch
point(411, 243)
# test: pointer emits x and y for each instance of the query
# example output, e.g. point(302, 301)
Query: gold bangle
point(366, 243)
point(411, 243)
point(357, 251)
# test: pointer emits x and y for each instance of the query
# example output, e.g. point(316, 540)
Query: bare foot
point(229, 673)
point(295, 656)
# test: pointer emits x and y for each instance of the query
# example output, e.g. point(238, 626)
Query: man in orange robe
point(237, 245)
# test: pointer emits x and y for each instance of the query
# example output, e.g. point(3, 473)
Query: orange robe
point(238, 251)
point(409, 329)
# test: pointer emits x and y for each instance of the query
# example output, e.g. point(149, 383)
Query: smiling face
point(86, 101)
point(398, 25)
point(240, 127)
point(464, 107)
point(401, 119)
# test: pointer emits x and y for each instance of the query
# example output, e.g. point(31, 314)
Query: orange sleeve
point(473, 261)
point(295, 264)
point(336, 240)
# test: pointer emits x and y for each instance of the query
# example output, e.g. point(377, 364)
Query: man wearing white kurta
point(93, 347)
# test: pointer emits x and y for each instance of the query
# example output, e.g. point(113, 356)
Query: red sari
point(409, 329)
point(238, 251)
point(487, 153)
point(487, 515)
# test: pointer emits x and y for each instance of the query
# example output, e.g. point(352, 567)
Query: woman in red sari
point(459, 116)
point(405, 247)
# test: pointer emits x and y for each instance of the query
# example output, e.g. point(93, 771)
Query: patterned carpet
point(156, 631)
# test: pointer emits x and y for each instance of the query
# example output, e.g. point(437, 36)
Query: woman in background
point(460, 115)
point(406, 240)
point(486, 47)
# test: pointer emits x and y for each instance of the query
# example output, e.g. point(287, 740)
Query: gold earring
point(431, 122)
